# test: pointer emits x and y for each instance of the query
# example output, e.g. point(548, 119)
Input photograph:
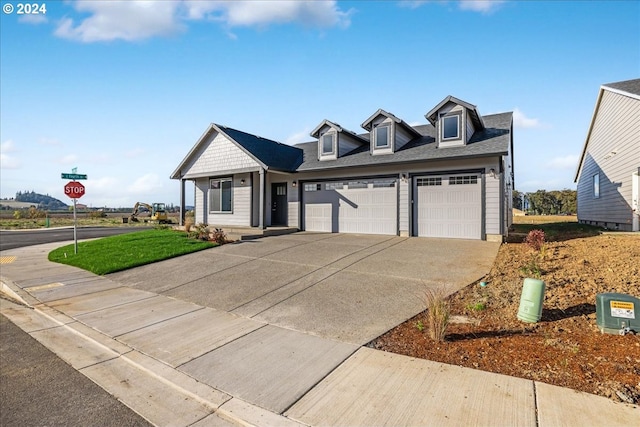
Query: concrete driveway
point(347, 287)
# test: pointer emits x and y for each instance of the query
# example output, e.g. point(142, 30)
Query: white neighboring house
point(452, 177)
point(608, 174)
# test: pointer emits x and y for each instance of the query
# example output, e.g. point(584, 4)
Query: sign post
point(75, 190)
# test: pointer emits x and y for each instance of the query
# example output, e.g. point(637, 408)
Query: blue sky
point(123, 89)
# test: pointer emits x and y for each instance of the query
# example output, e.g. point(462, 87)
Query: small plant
point(189, 220)
point(219, 236)
point(479, 306)
point(535, 239)
point(437, 313)
point(420, 325)
point(531, 269)
point(200, 232)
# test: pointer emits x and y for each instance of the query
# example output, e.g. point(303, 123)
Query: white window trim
point(458, 132)
point(375, 137)
point(225, 179)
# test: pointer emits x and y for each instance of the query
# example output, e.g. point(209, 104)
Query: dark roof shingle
point(630, 86)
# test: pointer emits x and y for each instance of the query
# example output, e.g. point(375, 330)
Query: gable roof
point(494, 139)
point(367, 125)
point(316, 132)
point(630, 88)
point(432, 115)
point(268, 153)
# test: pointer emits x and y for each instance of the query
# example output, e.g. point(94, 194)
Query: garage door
point(356, 206)
point(448, 206)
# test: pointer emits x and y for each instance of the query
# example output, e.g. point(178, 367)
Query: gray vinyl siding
point(469, 128)
point(403, 206)
point(616, 129)
point(401, 137)
point(241, 214)
point(492, 200)
point(346, 143)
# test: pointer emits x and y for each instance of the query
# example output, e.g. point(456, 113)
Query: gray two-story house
point(451, 177)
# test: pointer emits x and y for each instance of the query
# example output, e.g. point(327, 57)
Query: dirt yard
point(565, 347)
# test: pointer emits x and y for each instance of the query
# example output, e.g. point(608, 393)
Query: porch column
point(182, 203)
point(261, 201)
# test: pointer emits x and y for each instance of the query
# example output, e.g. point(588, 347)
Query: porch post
point(182, 203)
point(261, 197)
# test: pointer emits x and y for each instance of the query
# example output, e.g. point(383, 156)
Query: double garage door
point(443, 206)
point(367, 206)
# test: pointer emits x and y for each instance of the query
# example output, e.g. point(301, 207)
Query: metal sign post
point(75, 190)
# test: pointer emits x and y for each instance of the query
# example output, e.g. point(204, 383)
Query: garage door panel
point(448, 210)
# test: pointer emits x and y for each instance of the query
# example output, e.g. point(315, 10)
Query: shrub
point(437, 313)
point(189, 220)
point(97, 214)
point(201, 232)
point(532, 269)
point(535, 239)
point(219, 236)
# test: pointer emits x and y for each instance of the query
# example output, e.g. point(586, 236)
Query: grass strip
point(117, 253)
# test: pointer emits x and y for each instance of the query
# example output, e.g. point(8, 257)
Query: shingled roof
point(629, 86)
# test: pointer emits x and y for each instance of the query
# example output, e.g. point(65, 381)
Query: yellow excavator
point(157, 211)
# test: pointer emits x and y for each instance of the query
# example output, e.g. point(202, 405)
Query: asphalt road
point(10, 239)
point(39, 389)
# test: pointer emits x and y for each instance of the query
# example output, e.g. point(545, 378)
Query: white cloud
point(569, 162)
point(523, 122)
point(145, 184)
point(33, 19)
point(296, 138)
point(139, 20)
point(121, 20)
point(7, 161)
point(242, 13)
point(482, 6)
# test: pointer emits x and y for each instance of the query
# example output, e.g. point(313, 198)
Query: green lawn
point(559, 230)
point(117, 253)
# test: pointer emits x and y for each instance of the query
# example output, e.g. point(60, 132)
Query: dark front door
point(279, 203)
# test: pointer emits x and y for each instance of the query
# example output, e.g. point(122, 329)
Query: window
point(596, 186)
point(381, 136)
point(327, 143)
point(465, 179)
point(357, 184)
point(384, 183)
point(221, 195)
point(312, 187)
point(428, 182)
point(450, 127)
point(334, 186)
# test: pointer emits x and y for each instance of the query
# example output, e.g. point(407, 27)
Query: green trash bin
point(531, 300)
point(46, 222)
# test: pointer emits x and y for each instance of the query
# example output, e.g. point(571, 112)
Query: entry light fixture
point(242, 182)
point(403, 177)
point(294, 183)
point(492, 172)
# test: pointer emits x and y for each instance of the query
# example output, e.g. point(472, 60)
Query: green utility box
point(617, 313)
point(531, 300)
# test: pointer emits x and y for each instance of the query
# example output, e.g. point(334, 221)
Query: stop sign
point(74, 189)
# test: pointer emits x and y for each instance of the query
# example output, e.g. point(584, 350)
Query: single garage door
point(367, 206)
point(448, 206)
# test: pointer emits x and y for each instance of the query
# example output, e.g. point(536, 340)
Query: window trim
point(375, 136)
point(596, 185)
point(458, 117)
point(333, 143)
point(211, 190)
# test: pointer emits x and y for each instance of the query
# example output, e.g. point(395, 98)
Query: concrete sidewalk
point(177, 363)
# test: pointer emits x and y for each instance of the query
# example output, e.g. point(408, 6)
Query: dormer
point(388, 133)
point(455, 121)
point(335, 141)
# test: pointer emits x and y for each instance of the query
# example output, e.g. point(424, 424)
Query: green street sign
point(73, 176)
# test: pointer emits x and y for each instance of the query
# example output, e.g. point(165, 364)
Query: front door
point(279, 203)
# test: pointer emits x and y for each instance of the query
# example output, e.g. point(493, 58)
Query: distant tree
point(517, 200)
point(542, 203)
point(567, 200)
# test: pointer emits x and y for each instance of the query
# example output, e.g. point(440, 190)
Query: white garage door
point(448, 206)
point(357, 206)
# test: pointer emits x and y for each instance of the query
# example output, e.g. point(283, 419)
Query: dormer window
point(381, 137)
point(451, 127)
point(327, 143)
